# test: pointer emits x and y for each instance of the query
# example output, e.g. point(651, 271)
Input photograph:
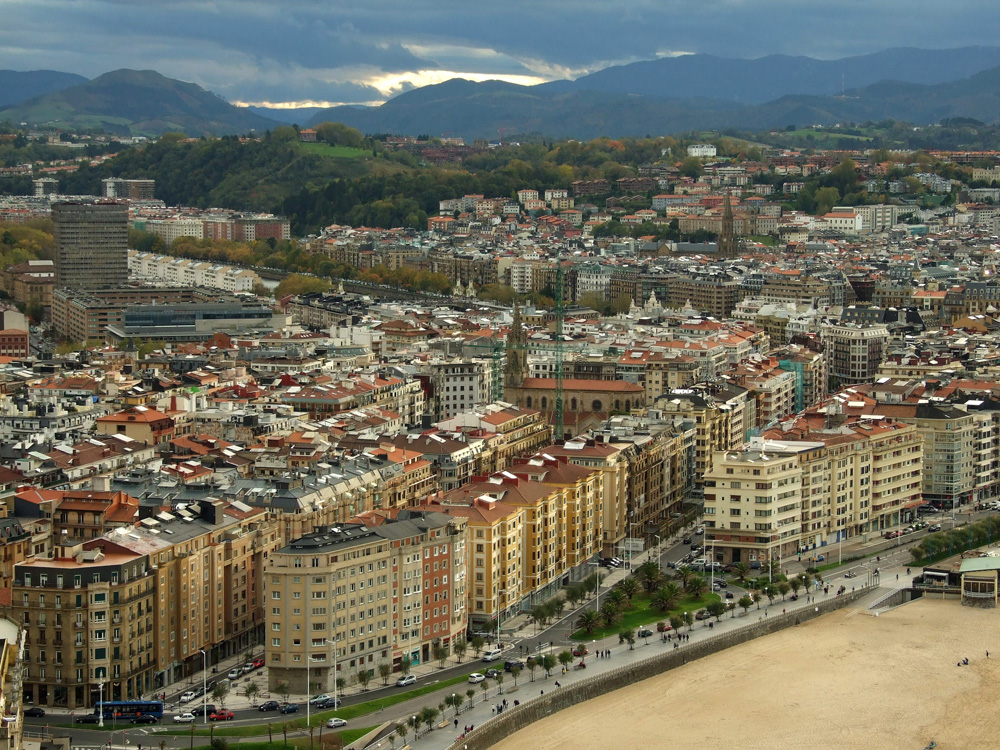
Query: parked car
point(335, 723)
point(820, 558)
point(511, 663)
point(35, 711)
point(207, 710)
point(491, 673)
point(934, 527)
point(722, 582)
point(475, 678)
point(222, 716)
point(329, 703)
point(406, 679)
point(289, 708)
point(188, 696)
point(234, 673)
point(644, 633)
point(184, 718)
point(269, 706)
point(702, 614)
point(687, 540)
point(258, 662)
point(699, 531)
point(318, 699)
point(580, 651)
point(88, 719)
point(248, 667)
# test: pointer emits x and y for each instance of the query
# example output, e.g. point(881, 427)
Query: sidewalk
point(484, 706)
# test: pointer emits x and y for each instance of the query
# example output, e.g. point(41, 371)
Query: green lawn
point(334, 152)
point(642, 614)
point(319, 717)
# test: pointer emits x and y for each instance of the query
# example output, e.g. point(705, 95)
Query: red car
point(258, 662)
point(221, 716)
point(580, 651)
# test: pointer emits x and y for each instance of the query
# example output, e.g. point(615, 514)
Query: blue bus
point(129, 709)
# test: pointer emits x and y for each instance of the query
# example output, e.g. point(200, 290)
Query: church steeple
point(517, 352)
point(726, 243)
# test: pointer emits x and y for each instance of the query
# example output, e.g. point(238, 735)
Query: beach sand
point(845, 680)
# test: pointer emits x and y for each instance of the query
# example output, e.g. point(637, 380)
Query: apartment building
point(11, 671)
point(88, 622)
point(753, 506)
point(349, 598)
point(854, 353)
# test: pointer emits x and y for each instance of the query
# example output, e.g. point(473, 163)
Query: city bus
point(129, 709)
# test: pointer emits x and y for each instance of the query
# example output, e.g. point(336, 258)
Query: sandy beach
point(846, 680)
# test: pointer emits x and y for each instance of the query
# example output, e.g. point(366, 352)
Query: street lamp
point(204, 685)
point(455, 704)
point(100, 703)
point(657, 537)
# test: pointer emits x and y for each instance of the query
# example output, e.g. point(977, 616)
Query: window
point(275, 641)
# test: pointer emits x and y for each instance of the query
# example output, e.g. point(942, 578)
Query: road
point(893, 559)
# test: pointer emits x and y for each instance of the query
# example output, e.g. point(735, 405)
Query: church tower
point(726, 244)
point(516, 366)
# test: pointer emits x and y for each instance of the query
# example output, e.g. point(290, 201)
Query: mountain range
point(137, 102)
point(667, 95)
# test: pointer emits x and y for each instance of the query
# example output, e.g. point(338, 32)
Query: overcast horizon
point(310, 53)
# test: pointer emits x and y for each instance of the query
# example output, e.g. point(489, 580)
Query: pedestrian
point(987, 654)
point(493, 709)
point(541, 692)
point(675, 647)
point(897, 576)
point(782, 610)
point(456, 723)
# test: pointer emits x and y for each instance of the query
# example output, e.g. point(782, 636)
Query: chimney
point(101, 484)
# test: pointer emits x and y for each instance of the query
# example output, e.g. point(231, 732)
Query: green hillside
point(137, 102)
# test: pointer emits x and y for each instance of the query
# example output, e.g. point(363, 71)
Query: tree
point(363, 677)
point(297, 284)
point(566, 657)
point(470, 694)
point(689, 619)
point(284, 690)
point(609, 614)
point(806, 580)
point(796, 584)
point(251, 692)
point(621, 304)
point(457, 702)
point(742, 571)
point(676, 622)
point(826, 198)
point(691, 167)
point(616, 598)
point(401, 731)
point(220, 692)
point(630, 587)
point(746, 602)
point(485, 687)
point(696, 586)
point(459, 647)
point(627, 636)
point(384, 671)
point(441, 654)
point(665, 598)
point(532, 665)
point(717, 609)
point(477, 644)
point(341, 684)
point(499, 681)
point(514, 672)
point(588, 621)
point(428, 715)
point(783, 588)
point(548, 664)
point(649, 575)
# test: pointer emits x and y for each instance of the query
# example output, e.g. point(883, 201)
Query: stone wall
point(556, 699)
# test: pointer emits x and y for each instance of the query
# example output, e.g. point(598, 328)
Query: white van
point(492, 655)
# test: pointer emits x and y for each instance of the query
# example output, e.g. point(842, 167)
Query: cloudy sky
point(297, 52)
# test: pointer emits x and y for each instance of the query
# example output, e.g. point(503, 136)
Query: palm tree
point(665, 598)
point(649, 575)
point(588, 621)
point(630, 587)
point(696, 585)
point(609, 613)
point(617, 597)
point(742, 571)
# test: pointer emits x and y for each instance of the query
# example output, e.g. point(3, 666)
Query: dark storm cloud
point(356, 51)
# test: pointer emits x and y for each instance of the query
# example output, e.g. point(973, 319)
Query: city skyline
point(306, 53)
